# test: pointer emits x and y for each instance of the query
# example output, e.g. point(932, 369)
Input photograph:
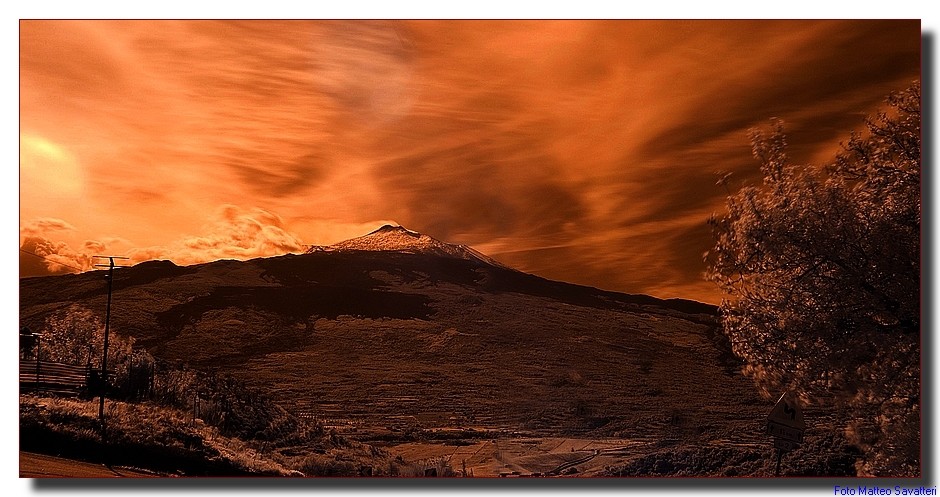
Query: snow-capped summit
point(400, 239)
point(390, 237)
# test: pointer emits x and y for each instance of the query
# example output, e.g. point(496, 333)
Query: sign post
point(785, 423)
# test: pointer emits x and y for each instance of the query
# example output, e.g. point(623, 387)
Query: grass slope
point(412, 342)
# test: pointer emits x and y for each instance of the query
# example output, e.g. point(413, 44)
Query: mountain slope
point(397, 329)
point(390, 238)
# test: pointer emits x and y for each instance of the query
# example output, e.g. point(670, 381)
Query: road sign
point(784, 432)
point(785, 423)
point(785, 445)
point(787, 412)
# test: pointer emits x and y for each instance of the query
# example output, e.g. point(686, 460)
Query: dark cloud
point(448, 192)
point(669, 192)
point(278, 178)
point(845, 68)
point(500, 184)
point(543, 261)
point(682, 251)
point(139, 195)
point(619, 131)
point(94, 246)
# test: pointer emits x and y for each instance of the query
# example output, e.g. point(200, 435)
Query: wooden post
point(37, 364)
point(779, 453)
point(104, 355)
point(107, 331)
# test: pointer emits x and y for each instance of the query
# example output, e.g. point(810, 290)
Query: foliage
point(229, 405)
point(200, 422)
point(242, 412)
point(826, 455)
point(823, 269)
point(143, 435)
point(359, 460)
point(75, 335)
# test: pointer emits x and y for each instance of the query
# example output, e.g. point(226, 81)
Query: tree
point(822, 269)
point(75, 335)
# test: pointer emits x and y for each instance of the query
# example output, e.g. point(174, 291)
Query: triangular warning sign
point(787, 412)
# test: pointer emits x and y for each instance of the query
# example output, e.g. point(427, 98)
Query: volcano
point(397, 329)
point(390, 238)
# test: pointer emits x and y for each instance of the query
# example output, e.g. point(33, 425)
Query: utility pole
point(107, 329)
point(38, 339)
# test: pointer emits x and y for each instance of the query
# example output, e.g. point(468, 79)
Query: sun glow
point(48, 170)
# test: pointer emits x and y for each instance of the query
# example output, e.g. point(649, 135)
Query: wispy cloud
point(587, 150)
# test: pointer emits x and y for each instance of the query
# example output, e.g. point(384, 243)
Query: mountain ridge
point(397, 238)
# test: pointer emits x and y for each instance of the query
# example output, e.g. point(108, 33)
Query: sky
point(581, 151)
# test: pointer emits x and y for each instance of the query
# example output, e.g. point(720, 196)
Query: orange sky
point(583, 151)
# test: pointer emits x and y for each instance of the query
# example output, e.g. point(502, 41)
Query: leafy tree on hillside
point(822, 266)
point(75, 335)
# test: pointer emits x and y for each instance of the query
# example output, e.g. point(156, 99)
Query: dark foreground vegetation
point(828, 455)
point(823, 266)
point(170, 442)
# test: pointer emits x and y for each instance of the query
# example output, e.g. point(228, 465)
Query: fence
point(53, 377)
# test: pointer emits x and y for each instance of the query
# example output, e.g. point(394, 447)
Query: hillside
point(399, 331)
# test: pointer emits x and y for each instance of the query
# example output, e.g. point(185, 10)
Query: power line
point(50, 260)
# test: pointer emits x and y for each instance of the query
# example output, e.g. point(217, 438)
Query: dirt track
point(525, 456)
point(42, 466)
